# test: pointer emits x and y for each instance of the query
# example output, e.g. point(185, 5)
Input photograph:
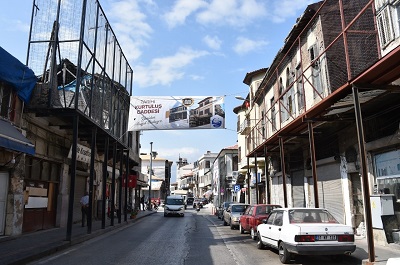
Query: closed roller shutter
point(298, 189)
point(277, 191)
point(330, 190)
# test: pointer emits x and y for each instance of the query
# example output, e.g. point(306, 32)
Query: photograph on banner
point(176, 112)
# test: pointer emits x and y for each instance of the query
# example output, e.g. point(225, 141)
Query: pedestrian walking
point(85, 208)
point(142, 202)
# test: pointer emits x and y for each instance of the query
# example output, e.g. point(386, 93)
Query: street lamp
point(246, 102)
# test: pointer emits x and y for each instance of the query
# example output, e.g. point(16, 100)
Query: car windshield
point(266, 209)
point(311, 216)
point(174, 201)
point(239, 208)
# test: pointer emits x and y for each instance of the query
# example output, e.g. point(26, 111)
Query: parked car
point(232, 214)
point(305, 231)
point(253, 216)
point(222, 209)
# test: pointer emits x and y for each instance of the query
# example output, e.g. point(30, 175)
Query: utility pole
point(151, 172)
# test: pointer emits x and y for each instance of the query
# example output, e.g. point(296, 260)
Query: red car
point(253, 216)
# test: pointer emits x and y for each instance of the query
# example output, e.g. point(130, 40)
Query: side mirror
point(264, 221)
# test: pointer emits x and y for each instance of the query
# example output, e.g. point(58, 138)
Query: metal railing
point(74, 51)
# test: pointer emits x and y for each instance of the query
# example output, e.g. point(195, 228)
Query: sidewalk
point(382, 253)
point(32, 246)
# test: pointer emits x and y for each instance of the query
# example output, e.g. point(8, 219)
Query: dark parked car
point(253, 216)
point(222, 208)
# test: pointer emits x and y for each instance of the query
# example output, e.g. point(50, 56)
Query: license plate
point(326, 238)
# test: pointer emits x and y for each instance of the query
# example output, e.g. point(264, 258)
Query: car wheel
point(241, 229)
point(253, 234)
point(225, 223)
point(260, 244)
point(284, 255)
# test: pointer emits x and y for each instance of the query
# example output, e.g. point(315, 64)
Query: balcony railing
point(245, 127)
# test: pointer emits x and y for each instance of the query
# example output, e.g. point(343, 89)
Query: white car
point(304, 231)
point(174, 205)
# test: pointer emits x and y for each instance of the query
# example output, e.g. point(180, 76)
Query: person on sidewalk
point(85, 208)
point(142, 202)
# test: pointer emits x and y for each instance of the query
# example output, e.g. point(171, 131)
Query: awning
point(13, 139)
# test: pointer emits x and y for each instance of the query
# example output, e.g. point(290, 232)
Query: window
point(288, 81)
point(278, 221)
point(300, 88)
point(271, 218)
point(207, 164)
point(39, 169)
point(263, 124)
point(290, 105)
point(235, 162)
point(315, 70)
point(273, 120)
point(385, 26)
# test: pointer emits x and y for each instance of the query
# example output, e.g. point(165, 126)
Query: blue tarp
point(72, 86)
point(18, 75)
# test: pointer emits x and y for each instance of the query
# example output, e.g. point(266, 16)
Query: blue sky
point(183, 48)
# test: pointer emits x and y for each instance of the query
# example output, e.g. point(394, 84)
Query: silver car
point(232, 214)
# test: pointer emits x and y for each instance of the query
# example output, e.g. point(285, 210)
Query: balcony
point(245, 127)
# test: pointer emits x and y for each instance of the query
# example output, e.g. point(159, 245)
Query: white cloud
point(245, 45)
point(165, 70)
point(237, 13)
point(181, 10)
point(212, 42)
point(196, 77)
point(130, 26)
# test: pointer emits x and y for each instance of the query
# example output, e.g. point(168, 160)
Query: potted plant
point(134, 212)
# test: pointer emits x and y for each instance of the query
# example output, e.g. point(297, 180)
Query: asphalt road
point(196, 238)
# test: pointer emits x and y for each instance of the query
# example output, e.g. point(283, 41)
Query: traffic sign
point(236, 188)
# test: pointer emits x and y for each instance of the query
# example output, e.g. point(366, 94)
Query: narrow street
point(197, 238)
